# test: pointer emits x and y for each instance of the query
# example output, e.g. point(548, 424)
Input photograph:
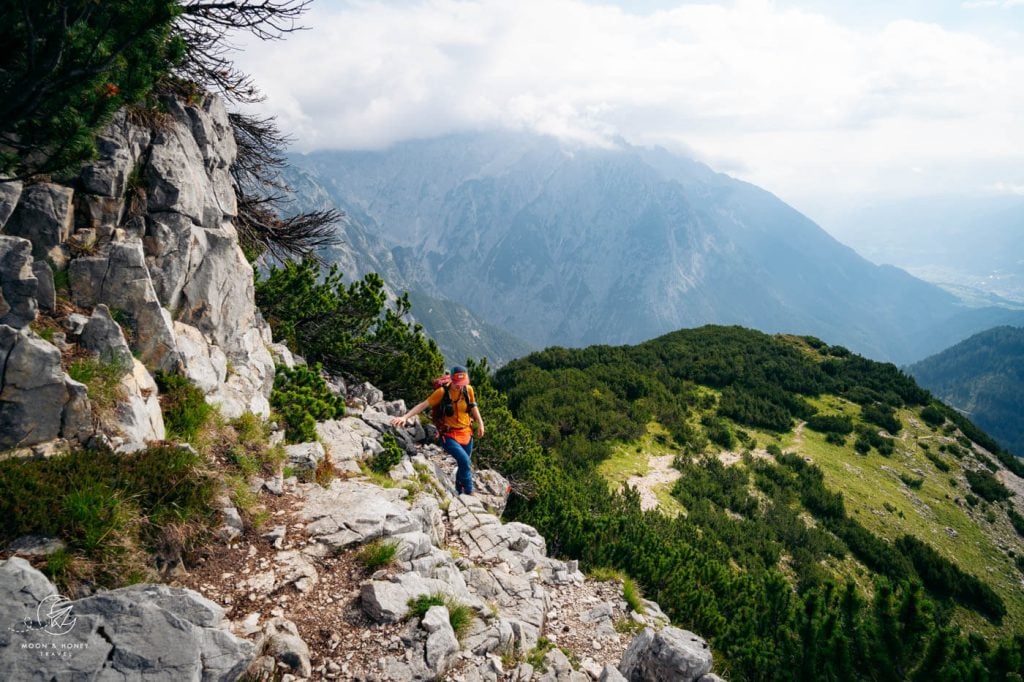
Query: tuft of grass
point(186, 412)
point(628, 626)
point(537, 654)
point(102, 380)
point(460, 616)
point(377, 554)
point(630, 588)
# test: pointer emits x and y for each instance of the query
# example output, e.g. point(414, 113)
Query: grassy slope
point(631, 459)
point(876, 496)
point(870, 482)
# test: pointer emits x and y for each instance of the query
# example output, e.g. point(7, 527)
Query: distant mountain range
point(569, 245)
point(983, 377)
point(971, 246)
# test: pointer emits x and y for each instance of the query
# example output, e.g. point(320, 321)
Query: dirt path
point(659, 472)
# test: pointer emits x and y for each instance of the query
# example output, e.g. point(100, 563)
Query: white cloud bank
point(790, 100)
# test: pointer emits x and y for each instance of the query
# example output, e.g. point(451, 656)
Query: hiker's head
point(460, 377)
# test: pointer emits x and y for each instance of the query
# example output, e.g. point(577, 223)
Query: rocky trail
point(300, 604)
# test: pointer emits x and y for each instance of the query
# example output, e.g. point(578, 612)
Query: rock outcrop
point(146, 234)
point(300, 593)
point(145, 631)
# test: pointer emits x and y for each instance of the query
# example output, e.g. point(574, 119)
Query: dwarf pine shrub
point(301, 397)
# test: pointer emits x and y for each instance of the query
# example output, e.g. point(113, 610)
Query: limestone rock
point(366, 392)
point(138, 417)
point(33, 391)
point(668, 654)
point(150, 631)
point(610, 674)
point(441, 642)
point(10, 192)
point(205, 365)
point(44, 216)
point(284, 644)
point(76, 421)
point(35, 545)
point(348, 439)
point(387, 601)
point(103, 336)
point(305, 455)
point(120, 145)
point(46, 292)
point(351, 512)
point(120, 279)
point(18, 283)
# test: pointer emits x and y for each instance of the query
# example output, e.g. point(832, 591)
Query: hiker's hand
point(480, 430)
point(398, 422)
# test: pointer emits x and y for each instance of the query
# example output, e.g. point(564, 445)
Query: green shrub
point(351, 330)
point(835, 439)
point(831, 423)
point(108, 506)
point(987, 486)
point(68, 66)
point(939, 463)
point(300, 395)
point(377, 554)
point(1016, 520)
point(912, 481)
point(862, 445)
point(389, 457)
point(932, 416)
point(184, 406)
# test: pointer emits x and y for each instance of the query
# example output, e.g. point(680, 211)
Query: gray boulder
point(144, 631)
point(18, 282)
point(442, 644)
point(45, 216)
point(351, 512)
point(46, 292)
point(668, 654)
point(120, 145)
point(285, 645)
point(103, 336)
point(305, 455)
point(120, 279)
point(348, 439)
point(33, 392)
point(10, 192)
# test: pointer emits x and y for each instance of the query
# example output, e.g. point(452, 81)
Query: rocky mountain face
point(135, 263)
point(983, 377)
point(573, 246)
point(295, 602)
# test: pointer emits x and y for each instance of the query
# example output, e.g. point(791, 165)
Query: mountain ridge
point(568, 245)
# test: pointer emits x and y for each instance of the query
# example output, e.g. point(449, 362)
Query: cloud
point(801, 102)
point(976, 4)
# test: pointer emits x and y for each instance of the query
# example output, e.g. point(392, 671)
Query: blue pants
point(461, 453)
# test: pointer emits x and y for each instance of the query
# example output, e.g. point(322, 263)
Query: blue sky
point(824, 103)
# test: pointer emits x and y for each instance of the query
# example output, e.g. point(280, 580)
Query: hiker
point(457, 404)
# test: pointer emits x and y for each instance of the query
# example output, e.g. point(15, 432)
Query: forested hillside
point(983, 377)
point(837, 522)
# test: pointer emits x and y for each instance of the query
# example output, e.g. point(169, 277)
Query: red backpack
point(447, 406)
